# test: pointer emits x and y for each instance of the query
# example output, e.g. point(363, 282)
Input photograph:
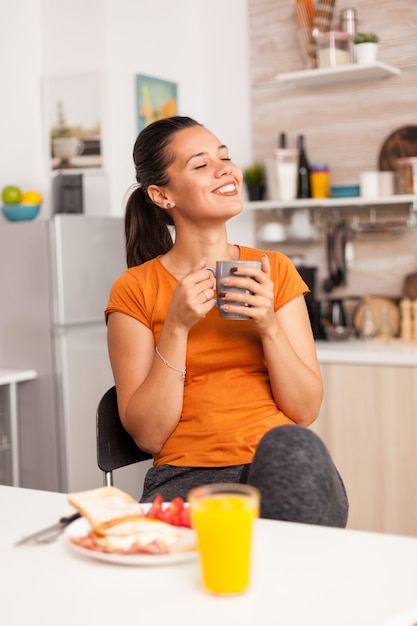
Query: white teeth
point(226, 189)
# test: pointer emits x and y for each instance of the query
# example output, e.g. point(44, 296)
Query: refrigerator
point(55, 281)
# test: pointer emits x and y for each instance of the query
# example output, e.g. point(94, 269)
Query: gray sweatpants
point(291, 468)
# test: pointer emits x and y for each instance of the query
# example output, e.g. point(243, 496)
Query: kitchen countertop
point(368, 352)
point(7, 377)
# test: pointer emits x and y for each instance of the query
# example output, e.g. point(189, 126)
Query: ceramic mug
point(369, 184)
point(224, 270)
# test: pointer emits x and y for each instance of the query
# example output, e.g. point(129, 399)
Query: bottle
point(282, 143)
point(303, 186)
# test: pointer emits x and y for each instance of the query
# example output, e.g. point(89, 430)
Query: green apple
point(11, 195)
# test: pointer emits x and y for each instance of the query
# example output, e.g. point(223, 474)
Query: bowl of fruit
point(20, 206)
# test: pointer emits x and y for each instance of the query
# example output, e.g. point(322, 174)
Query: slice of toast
point(105, 507)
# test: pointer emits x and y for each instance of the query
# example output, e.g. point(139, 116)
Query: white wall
point(200, 44)
point(20, 104)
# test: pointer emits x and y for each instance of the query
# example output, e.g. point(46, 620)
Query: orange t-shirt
point(228, 403)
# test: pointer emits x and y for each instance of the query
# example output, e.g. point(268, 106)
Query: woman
point(214, 400)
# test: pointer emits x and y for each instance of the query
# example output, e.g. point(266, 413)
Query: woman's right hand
point(193, 297)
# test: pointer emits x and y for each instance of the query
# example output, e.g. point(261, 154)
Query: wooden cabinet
point(369, 424)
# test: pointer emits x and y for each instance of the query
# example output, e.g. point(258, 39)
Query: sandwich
point(119, 525)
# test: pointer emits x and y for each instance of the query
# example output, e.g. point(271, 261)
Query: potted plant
point(366, 47)
point(254, 179)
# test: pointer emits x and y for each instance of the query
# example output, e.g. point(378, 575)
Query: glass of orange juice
point(223, 515)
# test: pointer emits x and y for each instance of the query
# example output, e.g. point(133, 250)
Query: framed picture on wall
point(72, 111)
point(156, 99)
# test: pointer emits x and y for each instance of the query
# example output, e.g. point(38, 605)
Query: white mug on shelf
point(369, 184)
point(376, 184)
point(386, 183)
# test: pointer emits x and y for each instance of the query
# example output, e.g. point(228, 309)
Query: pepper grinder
point(414, 319)
point(349, 24)
point(348, 21)
point(405, 308)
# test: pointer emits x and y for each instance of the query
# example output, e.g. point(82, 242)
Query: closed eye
point(199, 167)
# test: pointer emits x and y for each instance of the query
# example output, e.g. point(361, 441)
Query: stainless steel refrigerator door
point(84, 375)
point(88, 254)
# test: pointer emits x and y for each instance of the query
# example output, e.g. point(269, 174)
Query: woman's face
point(204, 182)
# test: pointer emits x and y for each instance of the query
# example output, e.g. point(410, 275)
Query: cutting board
point(399, 144)
point(379, 306)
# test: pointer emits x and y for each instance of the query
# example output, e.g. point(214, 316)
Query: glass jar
point(334, 49)
point(406, 175)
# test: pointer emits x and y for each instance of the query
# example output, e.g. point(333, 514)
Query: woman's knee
point(291, 440)
point(297, 478)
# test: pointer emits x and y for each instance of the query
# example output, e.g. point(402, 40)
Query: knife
point(49, 534)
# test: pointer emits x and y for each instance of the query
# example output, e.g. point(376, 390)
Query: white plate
point(407, 618)
point(81, 527)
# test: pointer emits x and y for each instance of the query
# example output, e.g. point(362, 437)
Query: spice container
point(334, 49)
point(406, 175)
point(319, 180)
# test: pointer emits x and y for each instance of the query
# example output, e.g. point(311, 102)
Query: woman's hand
point(261, 299)
point(193, 297)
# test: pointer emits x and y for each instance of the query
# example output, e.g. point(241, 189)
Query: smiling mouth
point(226, 190)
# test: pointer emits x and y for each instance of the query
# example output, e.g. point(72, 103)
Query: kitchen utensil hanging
point(337, 236)
point(323, 16)
point(384, 226)
point(304, 12)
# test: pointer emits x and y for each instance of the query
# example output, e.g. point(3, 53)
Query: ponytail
point(146, 225)
point(146, 229)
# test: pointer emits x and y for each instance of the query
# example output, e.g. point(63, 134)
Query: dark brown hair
point(146, 225)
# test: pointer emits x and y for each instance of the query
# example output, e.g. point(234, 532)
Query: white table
point(302, 575)
point(11, 378)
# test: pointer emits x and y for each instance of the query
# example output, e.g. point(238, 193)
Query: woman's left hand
point(259, 303)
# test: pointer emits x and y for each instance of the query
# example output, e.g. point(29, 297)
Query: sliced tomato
point(178, 514)
point(175, 513)
point(172, 511)
point(185, 517)
point(155, 511)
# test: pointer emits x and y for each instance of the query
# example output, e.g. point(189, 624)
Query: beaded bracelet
point(165, 362)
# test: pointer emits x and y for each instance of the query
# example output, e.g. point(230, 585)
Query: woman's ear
point(158, 197)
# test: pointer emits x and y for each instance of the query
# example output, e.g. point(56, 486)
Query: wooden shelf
point(320, 77)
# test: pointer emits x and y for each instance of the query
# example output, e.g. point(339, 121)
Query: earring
point(168, 205)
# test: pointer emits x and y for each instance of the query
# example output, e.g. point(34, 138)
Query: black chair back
point(115, 447)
